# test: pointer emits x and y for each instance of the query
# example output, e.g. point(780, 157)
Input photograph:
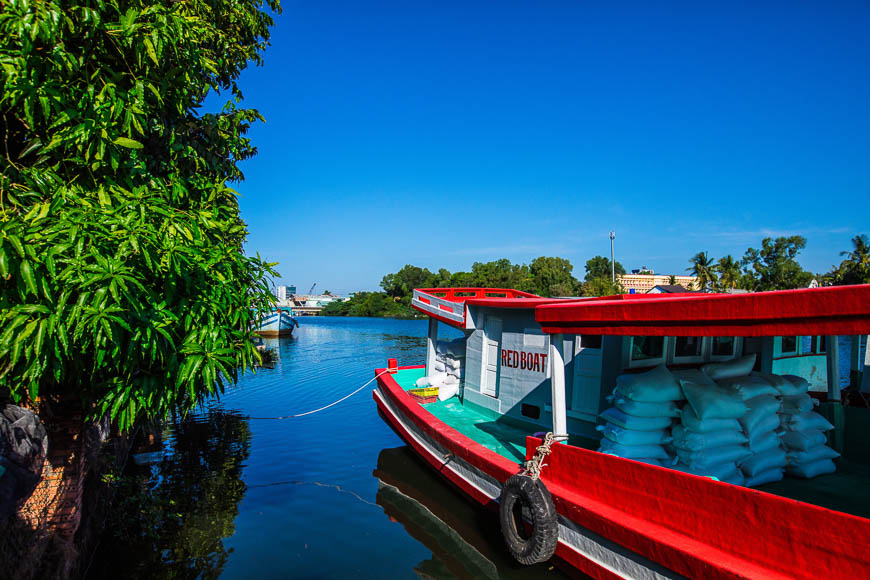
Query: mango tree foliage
point(122, 276)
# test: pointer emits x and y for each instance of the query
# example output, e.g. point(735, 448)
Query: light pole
point(612, 263)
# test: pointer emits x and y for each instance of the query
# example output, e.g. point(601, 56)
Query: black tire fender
point(523, 498)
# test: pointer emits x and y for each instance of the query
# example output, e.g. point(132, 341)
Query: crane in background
point(311, 291)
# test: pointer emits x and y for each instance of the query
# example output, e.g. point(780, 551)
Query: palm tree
point(857, 262)
point(703, 269)
point(729, 272)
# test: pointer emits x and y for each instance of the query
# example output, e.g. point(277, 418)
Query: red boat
point(523, 366)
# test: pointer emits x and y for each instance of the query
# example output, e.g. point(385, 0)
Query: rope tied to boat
point(325, 406)
point(533, 466)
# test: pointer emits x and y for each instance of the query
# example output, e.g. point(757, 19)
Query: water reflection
point(171, 517)
point(464, 537)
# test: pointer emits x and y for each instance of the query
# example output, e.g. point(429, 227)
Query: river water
point(334, 494)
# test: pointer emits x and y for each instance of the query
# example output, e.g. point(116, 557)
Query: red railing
point(463, 294)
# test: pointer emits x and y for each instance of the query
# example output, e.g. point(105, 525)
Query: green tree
point(123, 282)
point(501, 274)
point(599, 267)
point(400, 285)
point(702, 268)
point(729, 273)
point(552, 277)
point(601, 287)
point(855, 269)
point(774, 266)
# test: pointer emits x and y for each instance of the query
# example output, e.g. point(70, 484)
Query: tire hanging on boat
point(526, 498)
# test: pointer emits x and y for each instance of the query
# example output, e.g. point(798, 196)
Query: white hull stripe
point(595, 548)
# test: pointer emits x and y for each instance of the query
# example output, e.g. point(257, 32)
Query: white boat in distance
point(276, 323)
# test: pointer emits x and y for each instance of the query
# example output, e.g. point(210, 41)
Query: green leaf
point(129, 143)
point(27, 276)
point(149, 47)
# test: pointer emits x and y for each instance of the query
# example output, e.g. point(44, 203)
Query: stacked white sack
point(709, 440)
point(638, 425)
point(760, 425)
point(448, 369)
point(804, 439)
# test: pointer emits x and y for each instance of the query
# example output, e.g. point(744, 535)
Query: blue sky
point(443, 133)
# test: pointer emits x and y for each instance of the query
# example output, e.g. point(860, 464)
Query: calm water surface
point(331, 495)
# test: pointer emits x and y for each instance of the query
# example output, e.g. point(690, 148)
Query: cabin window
point(723, 346)
point(688, 347)
point(789, 345)
point(647, 348)
point(821, 344)
point(590, 341)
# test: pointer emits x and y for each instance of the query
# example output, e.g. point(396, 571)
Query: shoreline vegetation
point(773, 266)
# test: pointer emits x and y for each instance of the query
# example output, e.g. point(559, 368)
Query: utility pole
point(612, 263)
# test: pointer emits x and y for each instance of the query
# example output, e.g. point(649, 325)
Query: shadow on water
point(464, 537)
point(170, 517)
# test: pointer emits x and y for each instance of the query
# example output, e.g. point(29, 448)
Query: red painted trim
point(843, 310)
point(486, 460)
point(701, 528)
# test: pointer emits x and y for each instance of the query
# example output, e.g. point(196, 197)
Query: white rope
point(327, 406)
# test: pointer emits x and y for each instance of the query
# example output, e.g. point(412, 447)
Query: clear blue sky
point(443, 133)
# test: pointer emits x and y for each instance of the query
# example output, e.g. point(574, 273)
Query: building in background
point(285, 293)
point(641, 283)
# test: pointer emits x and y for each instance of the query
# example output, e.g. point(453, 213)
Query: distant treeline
point(544, 276)
point(772, 267)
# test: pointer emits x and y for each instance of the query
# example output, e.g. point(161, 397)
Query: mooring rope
point(324, 407)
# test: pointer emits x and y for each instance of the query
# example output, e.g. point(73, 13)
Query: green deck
point(498, 433)
point(845, 490)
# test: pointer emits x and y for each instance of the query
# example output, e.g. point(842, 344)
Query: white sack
point(422, 382)
point(439, 365)
point(780, 383)
point(452, 363)
point(769, 476)
point(447, 391)
point(436, 379)
point(739, 367)
point(654, 386)
point(761, 462)
point(684, 439)
point(713, 401)
point(812, 454)
point(707, 458)
point(633, 437)
point(640, 409)
point(800, 383)
point(764, 441)
point(797, 404)
point(767, 424)
point(810, 470)
point(748, 387)
point(806, 422)
point(759, 409)
point(620, 419)
point(691, 422)
point(803, 440)
point(633, 451)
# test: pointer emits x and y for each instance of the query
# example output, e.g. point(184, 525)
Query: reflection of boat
point(276, 323)
point(530, 365)
point(462, 536)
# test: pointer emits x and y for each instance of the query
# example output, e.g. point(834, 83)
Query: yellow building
point(643, 283)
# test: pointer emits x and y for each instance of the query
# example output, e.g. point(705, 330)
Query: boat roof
point(835, 310)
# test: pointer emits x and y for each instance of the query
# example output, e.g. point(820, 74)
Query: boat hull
point(276, 323)
point(653, 532)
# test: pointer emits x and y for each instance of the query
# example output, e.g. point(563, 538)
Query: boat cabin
point(514, 339)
